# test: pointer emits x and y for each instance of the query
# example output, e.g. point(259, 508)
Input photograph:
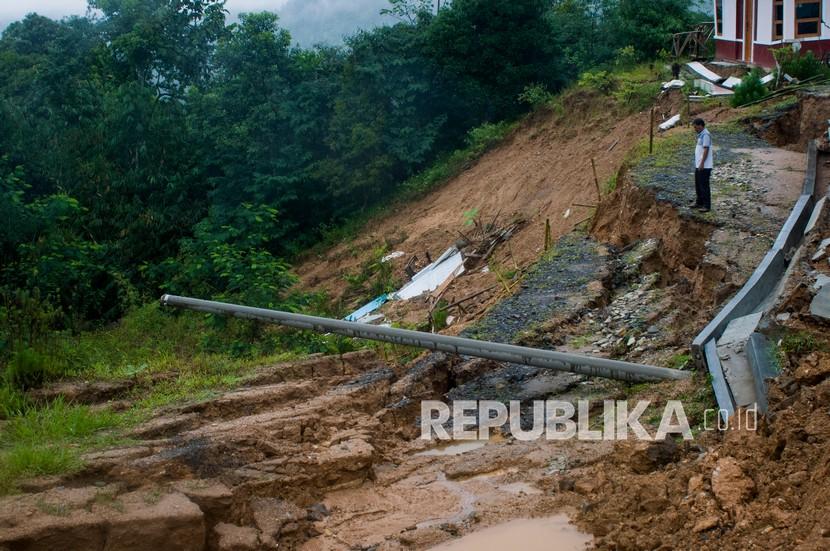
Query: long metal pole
point(547, 359)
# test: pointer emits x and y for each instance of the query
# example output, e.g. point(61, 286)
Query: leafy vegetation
point(750, 89)
point(800, 65)
point(156, 147)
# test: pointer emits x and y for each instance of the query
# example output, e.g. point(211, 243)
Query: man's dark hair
point(699, 122)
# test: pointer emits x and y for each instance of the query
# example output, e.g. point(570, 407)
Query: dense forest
point(157, 147)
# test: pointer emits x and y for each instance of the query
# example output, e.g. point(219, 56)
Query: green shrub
point(800, 65)
point(479, 141)
point(536, 96)
point(25, 319)
point(12, 402)
point(625, 58)
point(28, 368)
point(602, 81)
point(636, 96)
point(482, 138)
point(750, 89)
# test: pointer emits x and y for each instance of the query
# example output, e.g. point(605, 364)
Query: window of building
point(807, 18)
point(778, 19)
point(719, 17)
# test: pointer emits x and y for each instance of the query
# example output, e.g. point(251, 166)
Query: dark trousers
point(704, 194)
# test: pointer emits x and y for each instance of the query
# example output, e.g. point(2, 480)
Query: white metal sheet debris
point(767, 79)
point(699, 69)
point(367, 309)
point(372, 318)
point(731, 82)
point(711, 88)
point(392, 256)
point(670, 123)
point(676, 83)
point(450, 264)
point(821, 250)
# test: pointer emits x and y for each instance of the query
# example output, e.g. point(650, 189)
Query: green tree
point(648, 25)
point(493, 49)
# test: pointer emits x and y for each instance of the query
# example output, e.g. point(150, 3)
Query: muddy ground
point(755, 486)
point(324, 453)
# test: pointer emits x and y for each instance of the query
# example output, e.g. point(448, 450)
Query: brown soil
point(323, 454)
point(795, 125)
point(742, 489)
point(539, 173)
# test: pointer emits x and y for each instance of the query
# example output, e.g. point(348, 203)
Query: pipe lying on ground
point(546, 359)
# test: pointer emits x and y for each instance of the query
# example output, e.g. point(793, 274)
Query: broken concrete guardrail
point(753, 295)
point(545, 359)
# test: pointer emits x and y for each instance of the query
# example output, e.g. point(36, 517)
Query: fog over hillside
point(310, 21)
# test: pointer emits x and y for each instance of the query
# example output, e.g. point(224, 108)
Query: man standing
point(703, 167)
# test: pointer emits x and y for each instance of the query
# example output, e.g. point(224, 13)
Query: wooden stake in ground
point(548, 237)
point(651, 133)
point(596, 179)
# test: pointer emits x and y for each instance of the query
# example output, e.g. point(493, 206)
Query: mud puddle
point(540, 534)
point(458, 447)
point(453, 449)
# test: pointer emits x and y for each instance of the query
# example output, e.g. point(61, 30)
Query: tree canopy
point(157, 146)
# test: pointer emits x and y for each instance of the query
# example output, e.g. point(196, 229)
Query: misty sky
point(309, 21)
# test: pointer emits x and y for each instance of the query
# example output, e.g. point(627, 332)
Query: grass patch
point(202, 354)
point(109, 500)
point(581, 340)
point(51, 439)
point(794, 345)
point(633, 89)
point(665, 152)
point(698, 402)
point(680, 361)
point(54, 509)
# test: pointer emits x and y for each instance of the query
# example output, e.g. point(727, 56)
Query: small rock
point(652, 330)
point(798, 478)
point(236, 538)
point(584, 487)
point(784, 316)
point(318, 512)
point(706, 523)
point(566, 484)
point(631, 341)
point(654, 505)
point(695, 484)
point(813, 369)
point(730, 484)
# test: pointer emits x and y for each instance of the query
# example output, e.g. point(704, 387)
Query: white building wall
point(789, 20)
point(763, 33)
point(730, 19)
point(825, 16)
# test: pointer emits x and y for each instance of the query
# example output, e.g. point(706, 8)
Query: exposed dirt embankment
point(794, 124)
point(541, 172)
point(632, 214)
point(759, 485)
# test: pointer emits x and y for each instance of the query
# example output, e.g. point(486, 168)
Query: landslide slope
point(541, 171)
